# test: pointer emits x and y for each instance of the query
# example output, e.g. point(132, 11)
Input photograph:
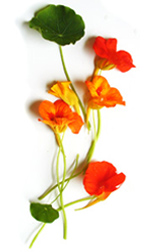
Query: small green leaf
point(43, 212)
point(59, 24)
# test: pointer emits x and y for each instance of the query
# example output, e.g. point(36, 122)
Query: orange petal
point(112, 98)
point(62, 109)
point(76, 123)
point(47, 109)
point(99, 85)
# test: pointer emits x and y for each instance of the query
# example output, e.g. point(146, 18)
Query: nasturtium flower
point(101, 179)
point(59, 116)
point(63, 91)
point(102, 95)
point(109, 57)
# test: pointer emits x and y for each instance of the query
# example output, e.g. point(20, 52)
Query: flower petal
point(62, 109)
point(75, 123)
point(96, 175)
point(124, 61)
point(99, 85)
point(114, 182)
point(101, 179)
point(105, 47)
point(63, 91)
point(100, 47)
point(111, 45)
point(112, 98)
point(47, 110)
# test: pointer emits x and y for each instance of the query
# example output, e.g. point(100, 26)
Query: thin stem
point(98, 124)
point(68, 79)
point(62, 184)
point(94, 124)
point(57, 169)
point(97, 134)
point(50, 189)
point(36, 236)
point(76, 164)
point(76, 201)
point(63, 63)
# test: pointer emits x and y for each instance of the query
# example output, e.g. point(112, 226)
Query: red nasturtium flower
point(106, 49)
point(59, 116)
point(102, 95)
point(101, 179)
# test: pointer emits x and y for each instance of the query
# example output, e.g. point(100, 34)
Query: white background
point(28, 64)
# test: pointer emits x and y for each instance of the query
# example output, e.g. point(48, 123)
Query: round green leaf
point(59, 24)
point(43, 212)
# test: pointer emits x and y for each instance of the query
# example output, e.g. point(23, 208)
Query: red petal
point(115, 182)
point(100, 47)
point(104, 48)
point(111, 45)
point(96, 175)
point(124, 61)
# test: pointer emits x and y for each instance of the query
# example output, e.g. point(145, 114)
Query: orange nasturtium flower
point(101, 179)
point(106, 49)
point(63, 91)
point(102, 95)
point(59, 116)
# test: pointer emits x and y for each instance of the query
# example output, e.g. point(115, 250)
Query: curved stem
point(76, 201)
point(68, 79)
point(50, 189)
point(36, 236)
point(76, 164)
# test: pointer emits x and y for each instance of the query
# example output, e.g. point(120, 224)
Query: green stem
point(97, 134)
point(68, 79)
point(98, 124)
point(76, 164)
point(62, 184)
point(36, 236)
point(66, 180)
point(57, 169)
point(63, 63)
point(94, 124)
point(76, 201)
